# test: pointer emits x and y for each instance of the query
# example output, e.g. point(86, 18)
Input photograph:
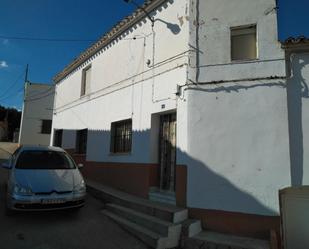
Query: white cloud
point(3, 64)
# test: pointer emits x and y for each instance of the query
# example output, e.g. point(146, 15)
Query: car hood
point(47, 181)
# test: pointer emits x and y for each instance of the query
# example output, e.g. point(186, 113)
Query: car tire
point(76, 209)
point(9, 212)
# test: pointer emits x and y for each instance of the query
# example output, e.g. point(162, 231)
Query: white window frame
point(244, 30)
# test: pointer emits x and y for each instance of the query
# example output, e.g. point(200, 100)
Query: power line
point(40, 97)
point(45, 39)
point(11, 86)
point(10, 95)
point(58, 40)
point(40, 93)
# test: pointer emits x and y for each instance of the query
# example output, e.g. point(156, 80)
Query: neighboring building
point(192, 109)
point(37, 114)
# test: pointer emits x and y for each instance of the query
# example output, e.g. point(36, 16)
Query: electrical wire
point(57, 39)
point(45, 39)
point(38, 98)
point(38, 94)
point(10, 95)
point(13, 84)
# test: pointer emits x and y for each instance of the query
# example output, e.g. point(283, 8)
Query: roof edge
point(109, 36)
point(295, 42)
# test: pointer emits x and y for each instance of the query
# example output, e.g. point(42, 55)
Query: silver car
point(43, 178)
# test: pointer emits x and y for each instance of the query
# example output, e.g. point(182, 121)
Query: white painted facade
point(123, 86)
point(238, 130)
point(232, 117)
point(37, 106)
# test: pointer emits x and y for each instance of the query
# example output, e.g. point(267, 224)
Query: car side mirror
point(80, 165)
point(6, 165)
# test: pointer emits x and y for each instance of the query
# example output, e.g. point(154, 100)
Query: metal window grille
point(46, 126)
point(81, 141)
point(121, 140)
point(58, 138)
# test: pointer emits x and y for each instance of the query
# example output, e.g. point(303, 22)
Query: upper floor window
point(243, 43)
point(46, 126)
point(81, 141)
point(86, 79)
point(121, 136)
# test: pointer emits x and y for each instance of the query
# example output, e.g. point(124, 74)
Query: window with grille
point(46, 126)
point(86, 79)
point(81, 141)
point(243, 43)
point(121, 136)
point(58, 138)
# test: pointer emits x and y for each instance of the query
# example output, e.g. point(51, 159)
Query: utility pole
point(26, 74)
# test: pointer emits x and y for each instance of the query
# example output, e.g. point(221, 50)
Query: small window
point(86, 79)
point(46, 126)
point(121, 136)
point(243, 43)
point(81, 141)
point(58, 138)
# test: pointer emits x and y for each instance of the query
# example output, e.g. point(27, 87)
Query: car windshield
point(44, 160)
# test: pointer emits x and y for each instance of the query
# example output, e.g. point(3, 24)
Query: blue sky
point(74, 19)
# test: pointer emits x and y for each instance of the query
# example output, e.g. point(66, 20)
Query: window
point(86, 79)
point(46, 126)
point(121, 136)
point(58, 138)
point(44, 160)
point(243, 43)
point(81, 141)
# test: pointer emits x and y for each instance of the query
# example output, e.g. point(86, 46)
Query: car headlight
point(80, 188)
point(22, 190)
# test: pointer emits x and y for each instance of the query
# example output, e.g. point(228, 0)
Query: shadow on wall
point(237, 88)
point(297, 89)
point(221, 193)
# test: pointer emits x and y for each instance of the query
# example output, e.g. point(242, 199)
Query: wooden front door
point(167, 151)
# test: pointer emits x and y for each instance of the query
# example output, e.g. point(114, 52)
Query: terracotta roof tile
point(293, 41)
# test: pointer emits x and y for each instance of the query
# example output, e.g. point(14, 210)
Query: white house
point(37, 113)
point(189, 106)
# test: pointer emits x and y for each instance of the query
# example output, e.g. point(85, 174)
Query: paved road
point(87, 229)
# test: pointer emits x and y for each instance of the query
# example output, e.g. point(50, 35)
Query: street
point(84, 229)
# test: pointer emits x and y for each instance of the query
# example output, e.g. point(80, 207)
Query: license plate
point(56, 201)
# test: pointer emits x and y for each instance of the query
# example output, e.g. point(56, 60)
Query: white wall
point(238, 147)
point(38, 105)
point(298, 103)
point(216, 18)
point(238, 142)
point(123, 86)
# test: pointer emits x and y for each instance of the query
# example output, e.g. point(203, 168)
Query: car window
point(44, 160)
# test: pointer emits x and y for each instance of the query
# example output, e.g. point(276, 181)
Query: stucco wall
point(38, 105)
point(238, 141)
point(238, 147)
point(212, 24)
